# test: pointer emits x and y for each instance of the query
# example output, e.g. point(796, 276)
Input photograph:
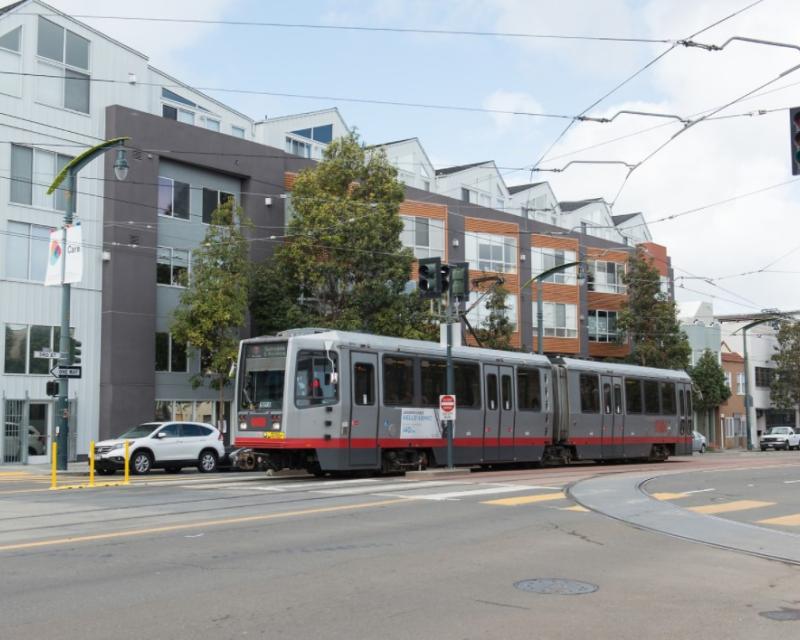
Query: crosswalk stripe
point(409, 485)
point(540, 497)
point(726, 507)
point(786, 521)
point(454, 495)
point(668, 496)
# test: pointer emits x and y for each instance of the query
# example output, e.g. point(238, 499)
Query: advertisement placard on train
point(419, 423)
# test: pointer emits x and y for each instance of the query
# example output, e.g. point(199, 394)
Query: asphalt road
point(234, 556)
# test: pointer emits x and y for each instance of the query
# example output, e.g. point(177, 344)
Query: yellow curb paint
point(196, 525)
point(513, 502)
point(575, 507)
point(669, 496)
point(726, 507)
point(96, 485)
point(784, 521)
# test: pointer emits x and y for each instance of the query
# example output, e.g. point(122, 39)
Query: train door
point(505, 433)
point(363, 432)
point(685, 417)
point(613, 427)
point(491, 413)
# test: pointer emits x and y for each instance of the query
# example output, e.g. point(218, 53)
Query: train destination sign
point(447, 407)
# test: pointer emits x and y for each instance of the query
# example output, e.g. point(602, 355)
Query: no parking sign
point(447, 407)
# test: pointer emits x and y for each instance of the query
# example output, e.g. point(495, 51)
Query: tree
point(650, 319)
point(708, 378)
point(343, 265)
point(785, 387)
point(213, 306)
point(495, 331)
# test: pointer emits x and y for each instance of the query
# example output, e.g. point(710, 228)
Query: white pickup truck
point(780, 438)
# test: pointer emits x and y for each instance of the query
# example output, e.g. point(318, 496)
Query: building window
point(425, 236)
point(172, 267)
point(478, 314)
point(298, 148)
point(728, 380)
point(560, 320)
point(199, 410)
point(489, 252)
point(11, 41)
point(602, 326)
point(184, 110)
point(606, 277)
point(173, 198)
point(70, 52)
point(543, 259)
point(740, 384)
point(664, 286)
point(465, 194)
point(22, 341)
point(26, 251)
point(322, 133)
point(170, 354)
point(32, 173)
point(212, 124)
point(237, 132)
point(213, 200)
point(11, 60)
point(764, 376)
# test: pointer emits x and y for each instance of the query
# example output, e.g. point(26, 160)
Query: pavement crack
point(502, 604)
point(579, 535)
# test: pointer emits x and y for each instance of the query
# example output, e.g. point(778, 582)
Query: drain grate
point(557, 586)
point(784, 615)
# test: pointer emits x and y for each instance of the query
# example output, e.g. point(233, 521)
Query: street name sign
point(66, 372)
point(47, 354)
point(447, 407)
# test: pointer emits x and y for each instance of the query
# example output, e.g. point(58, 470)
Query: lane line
point(193, 525)
point(454, 495)
point(519, 500)
point(785, 521)
point(726, 507)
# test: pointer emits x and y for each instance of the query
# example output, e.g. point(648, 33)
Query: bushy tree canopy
point(709, 379)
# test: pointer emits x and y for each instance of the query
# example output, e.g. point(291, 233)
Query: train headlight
point(243, 425)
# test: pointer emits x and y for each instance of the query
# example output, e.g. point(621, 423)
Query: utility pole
point(450, 381)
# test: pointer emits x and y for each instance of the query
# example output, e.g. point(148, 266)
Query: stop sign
point(447, 407)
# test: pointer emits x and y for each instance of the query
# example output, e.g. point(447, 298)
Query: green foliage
point(213, 305)
point(708, 378)
point(343, 265)
point(495, 331)
point(650, 319)
point(785, 387)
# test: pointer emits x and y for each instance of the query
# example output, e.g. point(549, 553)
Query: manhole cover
point(558, 586)
point(783, 615)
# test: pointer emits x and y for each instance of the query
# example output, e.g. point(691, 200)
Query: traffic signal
point(459, 280)
point(794, 128)
point(444, 278)
point(429, 276)
point(52, 388)
point(74, 351)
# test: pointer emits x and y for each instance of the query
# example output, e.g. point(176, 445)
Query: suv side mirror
point(161, 434)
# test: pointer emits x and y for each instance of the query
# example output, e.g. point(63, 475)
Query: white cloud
point(516, 101)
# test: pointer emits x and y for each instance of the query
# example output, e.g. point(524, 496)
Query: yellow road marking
point(668, 496)
point(786, 521)
point(5, 493)
point(737, 505)
point(14, 474)
point(90, 486)
point(575, 507)
point(195, 525)
point(541, 497)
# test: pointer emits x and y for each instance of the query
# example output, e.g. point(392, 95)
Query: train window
point(363, 383)
point(689, 409)
point(607, 397)
point(467, 385)
point(633, 395)
point(651, 404)
point(590, 393)
point(668, 398)
point(398, 380)
point(315, 380)
point(491, 391)
point(434, 381)
point(506, 392)
point(529, 390)
point(618, 399)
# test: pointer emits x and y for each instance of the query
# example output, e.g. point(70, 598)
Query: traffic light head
point(459, 280)
point(52, 388)
point(444, 278)
point(429, 278)
point(74, 351)
point(794, 129)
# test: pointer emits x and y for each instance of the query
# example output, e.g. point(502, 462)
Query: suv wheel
point(207, 462)
point(141, 463)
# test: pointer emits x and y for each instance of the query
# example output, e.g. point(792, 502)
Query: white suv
point(780, 438)
point(168, 445)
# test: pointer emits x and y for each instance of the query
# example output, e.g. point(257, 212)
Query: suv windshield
point(142, 431)
point(262, 376)
point(778, 430)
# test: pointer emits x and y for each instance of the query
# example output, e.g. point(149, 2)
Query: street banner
point(74, 270)
point(55, 255)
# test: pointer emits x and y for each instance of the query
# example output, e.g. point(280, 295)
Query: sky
point(714, 161)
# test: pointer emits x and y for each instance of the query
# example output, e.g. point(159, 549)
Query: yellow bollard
point(125, 462)
point(91, 463)
point(53, 477)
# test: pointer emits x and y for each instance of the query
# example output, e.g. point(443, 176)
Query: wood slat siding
point(593, 253)
point(516, 339)
point(288, 179)
point(557, 345)
point(563, 293)
point(605, 301)
point(658, 254)
point(423, 209)
point(609, 349)
point(554, 242)
point(478, 225)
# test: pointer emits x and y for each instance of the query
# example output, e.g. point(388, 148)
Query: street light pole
point(540, 304)
point(70, 174)
point(450, 380)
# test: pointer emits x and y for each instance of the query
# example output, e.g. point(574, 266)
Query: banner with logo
point(73, 270)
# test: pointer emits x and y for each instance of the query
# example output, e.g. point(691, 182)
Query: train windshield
point(263, 374)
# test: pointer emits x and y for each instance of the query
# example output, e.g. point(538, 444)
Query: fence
point(20, 439)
